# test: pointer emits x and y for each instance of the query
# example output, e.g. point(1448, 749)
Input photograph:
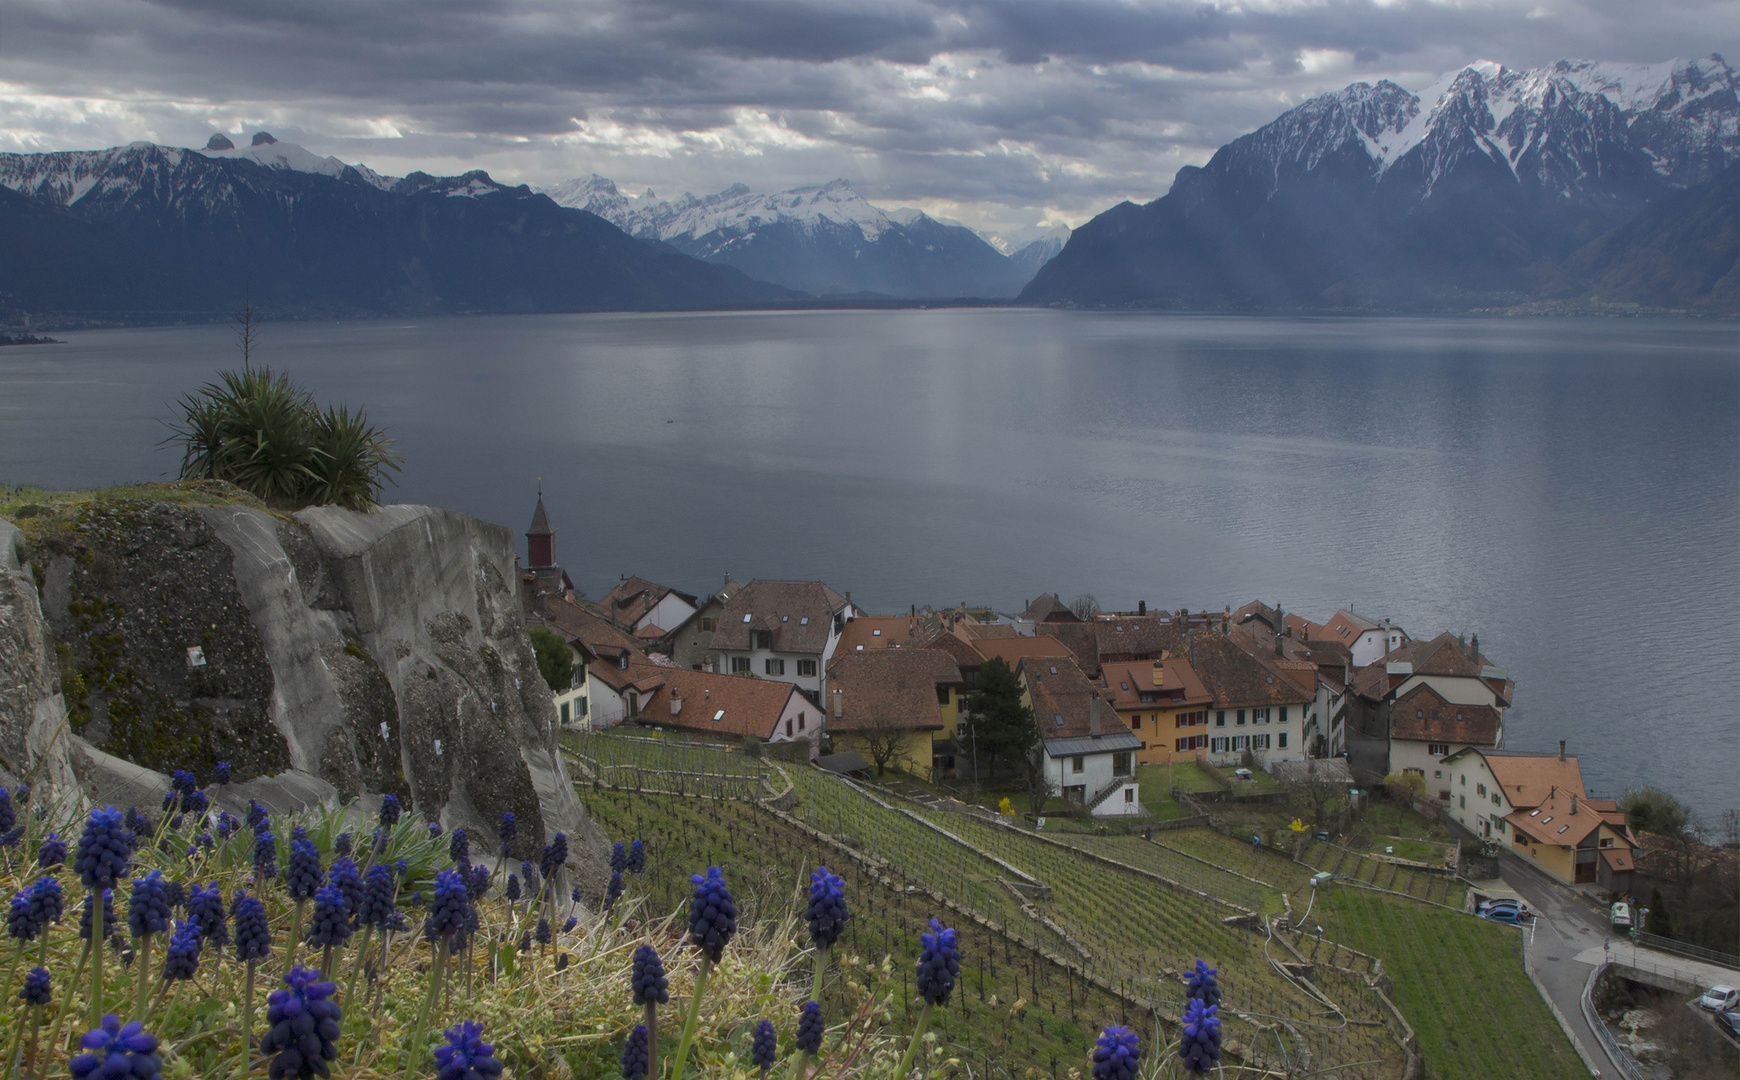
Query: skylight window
point(1562, 828)
point(1054, 669)
point(1123, 686)
point(860, 648)
point(1058, 717)
point(746, 616)
point(875, 633)
point(785, 618)
point(805, 621)
point(1534, 813)
point(718, 716)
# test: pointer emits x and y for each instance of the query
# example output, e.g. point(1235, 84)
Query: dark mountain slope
point(1681, 253)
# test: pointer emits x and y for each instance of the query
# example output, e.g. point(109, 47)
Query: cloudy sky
point(1002, 114)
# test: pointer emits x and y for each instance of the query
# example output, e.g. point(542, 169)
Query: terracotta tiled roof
point(889, 687)
point(1617, 859)
point(1012, 649)
point(633, 597)
point(1130, 637)
point(1345, 627)
point(1424, 715)
point(586, 627)
point(976, 630)
point(1529, 778)
point(1553, 822)
point(1063, 699)
point(798, 614)
point(878, 632)
point(718, 704)
point(1079, 638)
point(1049, 607)
point(1126, 681)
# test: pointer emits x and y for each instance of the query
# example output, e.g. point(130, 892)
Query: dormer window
point(622, 662)
point(1054, 669)
point(1058, 718)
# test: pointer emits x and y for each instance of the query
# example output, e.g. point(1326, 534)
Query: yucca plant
point(352, 459)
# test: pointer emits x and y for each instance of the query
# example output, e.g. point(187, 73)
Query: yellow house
point(898, 708)
point(1163, 704)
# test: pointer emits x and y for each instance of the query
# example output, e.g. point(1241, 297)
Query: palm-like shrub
point(263, 433)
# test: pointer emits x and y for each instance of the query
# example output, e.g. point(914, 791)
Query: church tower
point(540, 538)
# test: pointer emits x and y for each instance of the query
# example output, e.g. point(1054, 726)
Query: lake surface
point(1567, 489)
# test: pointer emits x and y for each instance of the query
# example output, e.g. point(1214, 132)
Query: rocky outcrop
point(327, 656)
point(33, 736)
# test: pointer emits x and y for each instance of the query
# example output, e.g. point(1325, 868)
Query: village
point(1252, 696)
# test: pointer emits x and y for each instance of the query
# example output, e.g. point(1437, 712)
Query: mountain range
point(1579, 181)
point(148, 233)
point(826, 240)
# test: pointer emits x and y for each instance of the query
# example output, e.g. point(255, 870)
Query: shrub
point(1404, 787)
point(263, 433)
point(555, 658)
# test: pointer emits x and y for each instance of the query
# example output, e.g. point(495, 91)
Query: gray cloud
point(1001, 113)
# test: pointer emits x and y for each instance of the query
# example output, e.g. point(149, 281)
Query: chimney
point(838, 706)
point(1280, 645)
point(676, 703)
point(914, 612)
point(1159, 673)
point(1094, 715)
point(1561, 749)
point(1474, 643)
point(1141, 607)
point(1573, 804)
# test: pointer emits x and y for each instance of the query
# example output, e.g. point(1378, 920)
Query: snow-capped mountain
point(1373, 194)
point(825, 239)
point(157, 232)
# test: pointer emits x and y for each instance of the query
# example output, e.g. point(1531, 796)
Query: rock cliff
point(328, 656)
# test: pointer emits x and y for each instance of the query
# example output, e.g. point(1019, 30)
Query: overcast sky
point(1001, 114)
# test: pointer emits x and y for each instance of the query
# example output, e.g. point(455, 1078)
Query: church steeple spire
point(540, 538)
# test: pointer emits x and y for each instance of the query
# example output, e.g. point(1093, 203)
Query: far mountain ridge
point(1476, 192)
point(825, 239)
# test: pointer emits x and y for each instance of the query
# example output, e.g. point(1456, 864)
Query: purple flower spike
point(113, 1051)
point(764, 1047)
point(810, 1028)
point(38, 990)
point(302, 1026)
point(1117, 1054)
point(827, 912)
point(466, 1056)
point(712, 914)
point(939, 963)
point(105, 849)
point(52, 852)
point(253, 932)
point(1199, 1048)
point(648, 980)
point(634, 1055)
point(182, 960)
point(1204, 987)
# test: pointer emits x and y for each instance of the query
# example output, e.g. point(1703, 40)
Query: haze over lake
point(1567, 489)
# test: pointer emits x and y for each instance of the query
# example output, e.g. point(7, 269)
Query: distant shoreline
point(28, 339)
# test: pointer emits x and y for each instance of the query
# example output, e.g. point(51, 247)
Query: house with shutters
point(900, 706)
point(1089, 753)
point(690, 641)
point(781, 630)
point(1163, 704)
point(1534, 803)
point(1422, 702)
point(723, 707)
point(1326, 667)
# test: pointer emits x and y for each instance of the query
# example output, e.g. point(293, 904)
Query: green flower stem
point(356, 964)
point(12, 970)
point(99, 938)
point(66, 1005)
point(694, 1018)
point(415, 1035)
point(30, 1055)
point(248, 1012)
point(326, 962)
point(17, 1045)
point(144, 979)
point(295, 936)
point(912, 1047)
point(821, 969)
point(800, 1065)
point(652, 1040)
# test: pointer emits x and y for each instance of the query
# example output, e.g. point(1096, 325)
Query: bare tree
point(883, 741)
point(1085, 606)
point(1038, 784)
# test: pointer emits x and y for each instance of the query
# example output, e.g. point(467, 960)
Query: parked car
point(1505, 913)
point(1505, 905)
point(1620, 916)
point(1729, 1022)
point(1720, 998)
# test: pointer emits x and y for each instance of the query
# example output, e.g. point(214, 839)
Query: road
point(1563, 927)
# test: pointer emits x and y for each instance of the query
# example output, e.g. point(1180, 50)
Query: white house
point(1427, 700)
point(1090, 755)
point(604, 690)
point(1365, 639)
point(703, 703)
point(646, 609)
point(783, 630)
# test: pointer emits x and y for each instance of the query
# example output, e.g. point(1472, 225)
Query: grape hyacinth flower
point(265, 857)
point(37, 987)
point(302, 879)
point(196, 803)
point(303, 1026)
point(147, 916)
point(1199, 1047)
point(478, 883)
point(137, 823)
point(341, 845)
point(11, 837)
point(613, 893)
point(810, 1028)
point(650, 989)
point(507, 831)
point(459, 846)
point(526, 941)
point(111, 924)
point(46, 904)
point(634, 1054)
point(618, 858)
point(529, 877)
point(555, 857)
point(207, 906)
point(939, 964)
point(826, 915)
point(221, 773)
point(544, 937)
point(226, 825)
point(174, 893)
point(104, 850)
point(377, 910)
point(259, 818)
point(448, 922)
point(181, 962)
point(712, 924)
point(1204, 987)
point(434, 830)
point(329, 929)
point(1117, 1054)
point(344, 875)
point(8, 816)
point(513, 888)
point(113, 1051)
point(22, 923)
point(763, 1047)
point(572, 922)
point(466, 1056)
point(52, 852)
point(253, 944)
point(637, 858)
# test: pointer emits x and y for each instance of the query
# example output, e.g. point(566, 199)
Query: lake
point(1567, 489)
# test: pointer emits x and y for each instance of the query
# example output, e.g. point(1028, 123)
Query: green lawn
point(1460, 982)
point(1184, 775)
